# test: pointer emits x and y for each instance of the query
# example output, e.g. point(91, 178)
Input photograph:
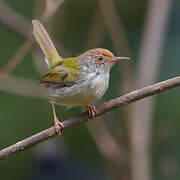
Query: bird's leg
point(56, 121)
point(91, 109)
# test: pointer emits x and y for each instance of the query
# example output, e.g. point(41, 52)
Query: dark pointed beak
point(116, 59)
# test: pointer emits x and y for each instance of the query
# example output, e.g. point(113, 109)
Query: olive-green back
point(65, 73)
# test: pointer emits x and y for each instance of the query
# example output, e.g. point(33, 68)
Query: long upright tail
point(46, 44)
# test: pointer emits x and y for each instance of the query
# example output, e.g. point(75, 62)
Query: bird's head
point(99, 58)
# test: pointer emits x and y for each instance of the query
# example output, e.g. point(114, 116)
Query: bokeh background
point(139, 141)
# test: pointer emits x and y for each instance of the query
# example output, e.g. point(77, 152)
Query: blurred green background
point(103, 149)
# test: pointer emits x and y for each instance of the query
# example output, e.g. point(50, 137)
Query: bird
point(75, 81)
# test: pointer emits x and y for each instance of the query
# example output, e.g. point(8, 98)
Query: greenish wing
point(60, 75)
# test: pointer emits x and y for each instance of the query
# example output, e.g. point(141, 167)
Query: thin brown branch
point(22, 87)
point(83, 117)
point(19, 23)
point(110, 148)
point(140, 124)
point(114, 26)
point(14, 20)
point(21, 52)
point(50, 9)
point(107, 144)
point(119, 39)
point(15, 60)
point(96, 31)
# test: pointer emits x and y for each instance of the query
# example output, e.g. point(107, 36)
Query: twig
point(22, 87)
point(21, 52)
point(83, 117)
point(114, 26)
point(119, 39)
point(140, 126)
point(96, 31)
point(107, 144)
point(114, 153)
point(50, 9)
point(14, 20)
point(15, 60)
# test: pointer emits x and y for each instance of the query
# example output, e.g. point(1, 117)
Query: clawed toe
point(59, 126)
point(91, 109)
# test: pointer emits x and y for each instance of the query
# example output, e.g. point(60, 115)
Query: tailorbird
point(76, 81)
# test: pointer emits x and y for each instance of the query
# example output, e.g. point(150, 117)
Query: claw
point(91, 109)
point(58, 124)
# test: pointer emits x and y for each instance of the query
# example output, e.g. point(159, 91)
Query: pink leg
point(56, 121)
point(91, 109)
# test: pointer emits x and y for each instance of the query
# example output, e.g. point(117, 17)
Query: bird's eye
point(100, 58)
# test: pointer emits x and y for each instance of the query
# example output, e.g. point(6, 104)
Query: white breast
point(100, 84)
point(89, 88)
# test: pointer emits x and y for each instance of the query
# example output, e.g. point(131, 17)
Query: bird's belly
point(81, 93)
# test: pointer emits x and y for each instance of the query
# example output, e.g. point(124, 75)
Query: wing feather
point(60, 75)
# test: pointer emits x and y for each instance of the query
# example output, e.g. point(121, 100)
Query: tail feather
point(46, 44)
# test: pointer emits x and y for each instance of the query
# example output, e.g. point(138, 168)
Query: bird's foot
point(58, 125)
point(91, 109)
